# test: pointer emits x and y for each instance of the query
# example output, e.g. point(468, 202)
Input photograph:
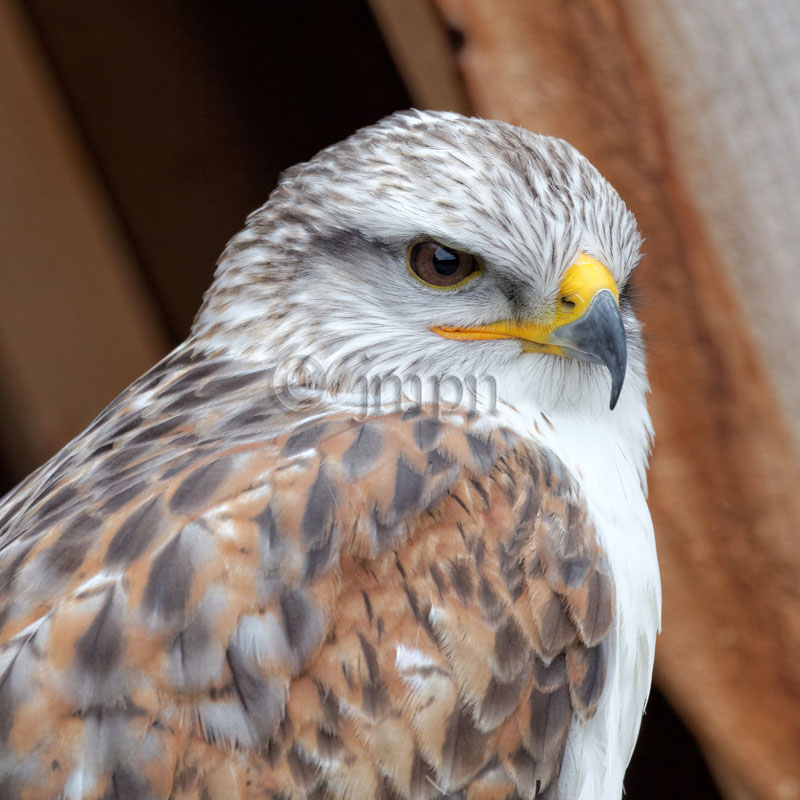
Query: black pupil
point(445, 261)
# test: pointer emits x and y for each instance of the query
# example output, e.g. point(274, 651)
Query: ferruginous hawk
point(378, 527)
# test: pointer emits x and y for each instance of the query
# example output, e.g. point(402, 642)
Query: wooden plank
point(422, 50)
point(724, 474)
point(728, 76)
point(75, 326)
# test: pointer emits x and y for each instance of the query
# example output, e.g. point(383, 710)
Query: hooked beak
point(599, 337)
point(587, 324)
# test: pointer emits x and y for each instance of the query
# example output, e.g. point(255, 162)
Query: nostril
point(567, 304)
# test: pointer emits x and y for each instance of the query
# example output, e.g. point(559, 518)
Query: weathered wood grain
point(728, 77)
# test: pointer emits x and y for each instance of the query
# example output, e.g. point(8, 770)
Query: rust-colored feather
point(208, 595)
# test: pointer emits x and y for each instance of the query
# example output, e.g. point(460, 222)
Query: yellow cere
point(582, 281)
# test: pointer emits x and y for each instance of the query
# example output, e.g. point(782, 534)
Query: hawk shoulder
point(239, 601)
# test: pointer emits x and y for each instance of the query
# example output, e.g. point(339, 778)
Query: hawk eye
point(441, 266)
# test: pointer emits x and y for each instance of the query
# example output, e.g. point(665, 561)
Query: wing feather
point(400, 606)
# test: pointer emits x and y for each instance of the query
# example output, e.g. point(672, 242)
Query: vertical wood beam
point(422, 51)
point(75, 325)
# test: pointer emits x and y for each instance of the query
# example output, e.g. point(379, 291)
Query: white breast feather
point(609, 468)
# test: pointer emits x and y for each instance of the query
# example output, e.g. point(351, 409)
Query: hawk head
point(433, 246)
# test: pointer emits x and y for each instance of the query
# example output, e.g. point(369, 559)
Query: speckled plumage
point(220, 591)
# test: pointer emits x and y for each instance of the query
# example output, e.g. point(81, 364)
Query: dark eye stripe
point(441, 266)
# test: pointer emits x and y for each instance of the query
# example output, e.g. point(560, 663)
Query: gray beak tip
point(616, 389)
point(599, 337)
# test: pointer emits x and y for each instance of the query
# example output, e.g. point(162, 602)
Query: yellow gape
point(581, 283)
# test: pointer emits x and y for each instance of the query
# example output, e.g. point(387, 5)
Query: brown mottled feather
point(210, 595)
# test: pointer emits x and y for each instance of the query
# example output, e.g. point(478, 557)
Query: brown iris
point(444, 267)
